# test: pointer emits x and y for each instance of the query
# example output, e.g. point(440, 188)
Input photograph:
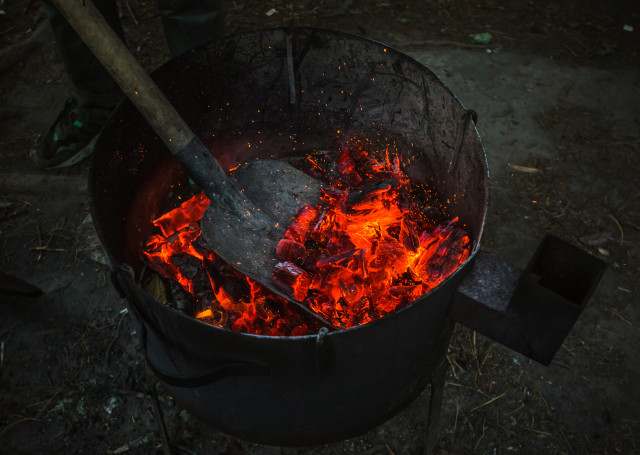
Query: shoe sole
point(74, 159)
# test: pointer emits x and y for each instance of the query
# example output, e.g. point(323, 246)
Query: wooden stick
point(107, 46)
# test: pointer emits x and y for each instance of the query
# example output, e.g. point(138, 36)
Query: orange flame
point(360, 255)
point(370, 259)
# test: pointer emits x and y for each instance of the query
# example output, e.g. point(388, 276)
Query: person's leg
point(190, 23)
point(96, 94)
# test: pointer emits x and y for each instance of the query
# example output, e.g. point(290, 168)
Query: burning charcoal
point(237, 287)
point(187, 264)
point(361, 308)
point(390, 254)
point(405, 279)
point(394, 231)
point(362, 256)
point(407, 203)
point(154, 242)
point(332, 195)
point(200, 282)
point(322, 229)
point(218, 317)
point(351, 178)
point(340, 243)
point(347, 168)
point(335, 197)
point(220, 272)
point(345, 162)
point(440, 233)
point(350, 261)
point(275, 306)
point(447, 251)
point(179, 218)
point(304, 220)
point(332, 174)
point(299, 331)
point(408, 236)
point(180, 299)
point(351, 291)
point(290, 250)
point(321, 303)
point(426, 239)
point(292, 279)
point(314, 165)
point(335, 259)
point(202, 247)
point(320, 221)
point(263, 312)
point(310, 259)
point(399, 291)
point(369, 193)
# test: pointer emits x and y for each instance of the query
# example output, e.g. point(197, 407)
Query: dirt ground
point(557, 89)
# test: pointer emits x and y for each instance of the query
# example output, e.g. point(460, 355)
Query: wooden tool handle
point(126, 71)
point(185, 146)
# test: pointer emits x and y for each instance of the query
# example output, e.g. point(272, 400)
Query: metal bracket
point(530, 311)
point(320, 356)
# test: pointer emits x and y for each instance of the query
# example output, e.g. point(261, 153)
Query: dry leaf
point(528, 170)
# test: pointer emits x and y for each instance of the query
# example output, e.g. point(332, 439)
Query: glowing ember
point(366, 251)
point(226, 298)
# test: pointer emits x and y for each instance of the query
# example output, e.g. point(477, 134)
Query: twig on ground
point(481, 436)
point(4, 430)
point(487, 403)
point(160, 418)
point(619, 227)
point(455, 422)
point(453, 362)
point(566, 441)
point(447, 383)
point(115, 338)
point(617, 314)
point(130, 11)
point(45, 246)
point(568, 350)
point(475, 355)
point(542, 433)
point(27, 203)
point(138, 442)
point(453, 368)
point(486, 356)
point(522, 405)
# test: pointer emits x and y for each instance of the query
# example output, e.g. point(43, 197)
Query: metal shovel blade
point(242, 231)
point(247, 241)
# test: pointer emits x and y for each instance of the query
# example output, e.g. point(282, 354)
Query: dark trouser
point(186, 23)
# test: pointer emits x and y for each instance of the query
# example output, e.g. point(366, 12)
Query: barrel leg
point(435, 406)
